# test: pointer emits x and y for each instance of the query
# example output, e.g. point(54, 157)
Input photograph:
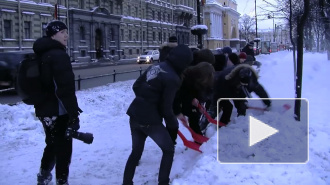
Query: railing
point(79, 80)
point(114, 74)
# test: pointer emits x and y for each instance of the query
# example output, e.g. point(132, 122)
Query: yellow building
point(221, 17)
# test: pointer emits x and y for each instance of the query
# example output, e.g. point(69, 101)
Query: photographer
point(59, 112)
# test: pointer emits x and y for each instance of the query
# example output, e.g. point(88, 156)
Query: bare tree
point(325, 18)
point(247, 24)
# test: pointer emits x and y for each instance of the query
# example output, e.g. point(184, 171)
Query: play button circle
point(259, 131)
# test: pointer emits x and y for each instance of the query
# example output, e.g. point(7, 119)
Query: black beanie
point(54, 26)
point(172, 39)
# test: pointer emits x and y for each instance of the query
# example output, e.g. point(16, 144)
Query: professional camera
point(85, 137)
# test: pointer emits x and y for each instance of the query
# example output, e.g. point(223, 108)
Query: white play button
point(259, 131)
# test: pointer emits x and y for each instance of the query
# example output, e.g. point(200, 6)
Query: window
point(137, 51)
point(130, 51)
point(82, 4)
point(153, 35)
point(129, 35)
point(144, 35)
point(143, 14)
point(97, 2)
point(169, 17)
point(27, 29)
point(129, 10)
point(164, 36)
point(7, 28)
point(113, 52)
point(111, 7)
point(137, 35)
point(111, 37)
point(153, 15)
point(159, 16)
point(122, 34)
point(82, 33)
point(159, 36)
point(136, 12)
point(83, 53)
point(164, 17)
point(44, 25)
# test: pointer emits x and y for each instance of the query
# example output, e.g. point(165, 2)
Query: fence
point(79, 79)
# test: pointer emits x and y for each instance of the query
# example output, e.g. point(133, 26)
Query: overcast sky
point(248, 7)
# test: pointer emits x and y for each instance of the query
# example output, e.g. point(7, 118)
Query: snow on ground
point(103, 162)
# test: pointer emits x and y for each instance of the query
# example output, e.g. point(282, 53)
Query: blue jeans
point(160, 135)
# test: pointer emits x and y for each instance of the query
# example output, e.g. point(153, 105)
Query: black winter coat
point(155, 90)
point(58, 80)
point(248, 51)
point(227, 84)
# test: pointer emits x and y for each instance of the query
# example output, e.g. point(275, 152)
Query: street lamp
point(269, 17)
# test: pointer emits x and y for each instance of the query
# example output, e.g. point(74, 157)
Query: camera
point(85, 137)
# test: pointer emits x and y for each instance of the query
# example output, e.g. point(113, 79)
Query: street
point(106, 73)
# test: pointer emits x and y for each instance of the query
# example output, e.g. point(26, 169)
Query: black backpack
point(28, 81)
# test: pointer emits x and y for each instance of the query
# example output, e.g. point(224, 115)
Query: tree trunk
point(300, 56)
point(326, 21)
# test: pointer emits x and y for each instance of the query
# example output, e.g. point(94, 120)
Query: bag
point(28, 81)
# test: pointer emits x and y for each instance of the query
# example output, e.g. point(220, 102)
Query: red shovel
point(285, 108)
point(197, 137)
point(202, 109)
point(189, 144)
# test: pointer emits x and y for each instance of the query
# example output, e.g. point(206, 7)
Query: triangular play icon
point(259, 131)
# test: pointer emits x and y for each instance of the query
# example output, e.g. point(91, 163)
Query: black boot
point(44, 177)
point(62, 182)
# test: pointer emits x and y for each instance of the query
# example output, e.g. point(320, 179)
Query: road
point(105, 71)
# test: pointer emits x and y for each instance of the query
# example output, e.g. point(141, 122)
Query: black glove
point(73, 126)
point(74, 123)
point(173, 133)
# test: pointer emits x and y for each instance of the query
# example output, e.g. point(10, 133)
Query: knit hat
point(172, 39)
point(227, 50)
point(204, 55)
point(242, 55)
point(251, 43)
point(234, 58)
point(54, 26)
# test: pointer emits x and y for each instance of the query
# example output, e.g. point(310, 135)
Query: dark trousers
point(160, 135)
point(58, 148)
point(227, 109)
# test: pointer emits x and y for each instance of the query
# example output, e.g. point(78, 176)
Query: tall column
point(213, 30)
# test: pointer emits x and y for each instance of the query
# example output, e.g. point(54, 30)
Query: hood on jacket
point(180, 58)
point(236, 71)
point(45, 44)
point(168, 44)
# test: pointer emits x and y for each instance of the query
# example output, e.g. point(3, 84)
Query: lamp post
point(199, 36)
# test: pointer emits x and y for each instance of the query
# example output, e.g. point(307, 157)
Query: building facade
point(221, 17)
point(99, 28)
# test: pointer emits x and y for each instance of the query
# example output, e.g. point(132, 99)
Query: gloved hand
point(74, 123)
point(73, 126)
point(173, 133)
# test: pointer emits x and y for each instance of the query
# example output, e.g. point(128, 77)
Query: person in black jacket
point(248, 49)
point(235, 82)
point(59, 112)
point(197, 83)
point(154, 92)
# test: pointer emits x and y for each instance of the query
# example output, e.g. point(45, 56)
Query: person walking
point(248, 49)
point(155, 91)
point(59, 112)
